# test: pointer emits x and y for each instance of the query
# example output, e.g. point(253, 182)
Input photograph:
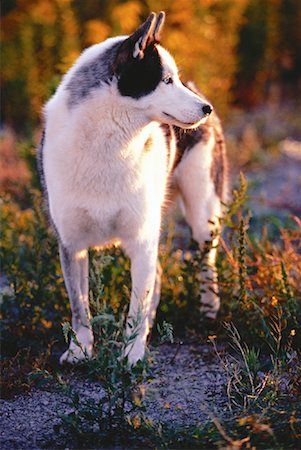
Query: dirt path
point(188, 385)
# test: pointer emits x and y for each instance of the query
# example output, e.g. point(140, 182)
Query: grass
point(260, 283)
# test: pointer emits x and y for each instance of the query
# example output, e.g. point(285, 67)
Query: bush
point(34, 300)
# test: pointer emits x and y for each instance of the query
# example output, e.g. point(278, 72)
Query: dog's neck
point(123, 126)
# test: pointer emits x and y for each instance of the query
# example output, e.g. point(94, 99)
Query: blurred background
point(245, 55)
point(240, 52)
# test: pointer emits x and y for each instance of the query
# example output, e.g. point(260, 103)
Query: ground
point(188, 388)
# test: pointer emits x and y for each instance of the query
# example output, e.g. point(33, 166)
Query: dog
point(122, 132)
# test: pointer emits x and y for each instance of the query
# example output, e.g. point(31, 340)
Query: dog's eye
point(167, 80)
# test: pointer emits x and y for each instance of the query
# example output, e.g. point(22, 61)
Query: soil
point(188, 388)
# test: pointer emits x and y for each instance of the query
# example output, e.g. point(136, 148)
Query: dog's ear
point(158, 26)
point(134, 46)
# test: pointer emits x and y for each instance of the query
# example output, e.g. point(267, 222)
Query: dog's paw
point(77, 353)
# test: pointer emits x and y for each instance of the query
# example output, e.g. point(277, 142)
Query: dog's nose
point(207, 109)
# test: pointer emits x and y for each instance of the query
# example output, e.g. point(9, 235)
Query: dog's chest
point(109, 165)
point(109, 193)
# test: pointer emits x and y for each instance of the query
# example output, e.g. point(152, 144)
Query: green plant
point(34, 302)
point(165, 332)
point(259, 277)
point(257, 273)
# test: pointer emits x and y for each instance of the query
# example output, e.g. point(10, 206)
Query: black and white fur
point(112, 148)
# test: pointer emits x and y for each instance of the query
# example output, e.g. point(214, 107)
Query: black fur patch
point(141, 77)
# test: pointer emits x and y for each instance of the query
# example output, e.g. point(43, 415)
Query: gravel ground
point(188, 386)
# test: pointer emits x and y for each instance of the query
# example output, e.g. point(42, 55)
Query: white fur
point(104, 187)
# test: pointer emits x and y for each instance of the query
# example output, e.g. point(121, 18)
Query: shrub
point(34, 299)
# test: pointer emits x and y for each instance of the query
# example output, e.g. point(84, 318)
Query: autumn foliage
point(236, 50)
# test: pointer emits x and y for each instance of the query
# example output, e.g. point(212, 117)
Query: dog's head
point(146, 71)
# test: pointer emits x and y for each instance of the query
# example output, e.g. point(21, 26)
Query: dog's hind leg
point(205, 230)
point(75, 270)
point(202, 209)
point(206, 234)
point(143, 272)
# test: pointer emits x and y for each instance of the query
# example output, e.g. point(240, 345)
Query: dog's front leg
point(143, 273)
point(75, 270)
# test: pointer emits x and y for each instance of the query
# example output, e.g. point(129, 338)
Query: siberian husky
point(113, 148)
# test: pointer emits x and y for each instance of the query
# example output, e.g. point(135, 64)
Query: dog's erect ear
point(142, 37)
point(158, 26)
point(134, 46)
